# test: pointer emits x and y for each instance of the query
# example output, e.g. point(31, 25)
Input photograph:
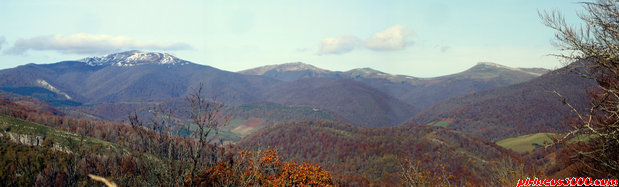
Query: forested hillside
point(356, 102)
point(359, 155)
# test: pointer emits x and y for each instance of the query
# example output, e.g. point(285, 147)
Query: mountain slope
point(480, 77)
point(520, 109)
point(133, 75)
point(31, 102)
point(357, 102)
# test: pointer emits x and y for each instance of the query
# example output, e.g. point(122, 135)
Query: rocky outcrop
point(32, 140)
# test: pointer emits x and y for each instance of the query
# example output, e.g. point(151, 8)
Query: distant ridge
point(418, 92)
point(276, 71)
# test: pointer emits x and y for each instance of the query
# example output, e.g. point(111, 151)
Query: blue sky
point(417, 38)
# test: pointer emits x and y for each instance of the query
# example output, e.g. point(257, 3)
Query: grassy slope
point(529, 142)
point(442, 123)
point(526, 143)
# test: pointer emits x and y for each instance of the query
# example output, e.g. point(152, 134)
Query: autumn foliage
point(261, 168)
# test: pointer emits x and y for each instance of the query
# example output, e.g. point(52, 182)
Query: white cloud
point(88, 44)
point(339, 45)
point(2, 40)
point(391, 39)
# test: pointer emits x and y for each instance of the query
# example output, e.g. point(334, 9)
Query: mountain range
point(363, 96)
point(419, 92)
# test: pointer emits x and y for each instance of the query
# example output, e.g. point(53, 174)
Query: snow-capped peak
point(133, 58)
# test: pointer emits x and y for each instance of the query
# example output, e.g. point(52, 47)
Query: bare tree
point(182, 141)
point(77, 150)
point(162, 141)
point(163, 123)
point(206, 116)
point(595, 46)
point(413, 173)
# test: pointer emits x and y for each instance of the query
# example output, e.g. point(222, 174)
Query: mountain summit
point(133, 58)
point(487, 67)
point(289, 71)
point(293, 66)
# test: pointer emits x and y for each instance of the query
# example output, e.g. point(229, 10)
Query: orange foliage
point(264, 168)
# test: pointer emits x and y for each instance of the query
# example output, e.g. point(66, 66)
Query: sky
point(412, 37)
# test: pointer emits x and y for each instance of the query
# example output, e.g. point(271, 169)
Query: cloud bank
point(339, 45)
point(390, 39)
point(88, 44)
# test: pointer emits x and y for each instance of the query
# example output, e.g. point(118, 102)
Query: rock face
point(32, 140)
point(24, 138)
